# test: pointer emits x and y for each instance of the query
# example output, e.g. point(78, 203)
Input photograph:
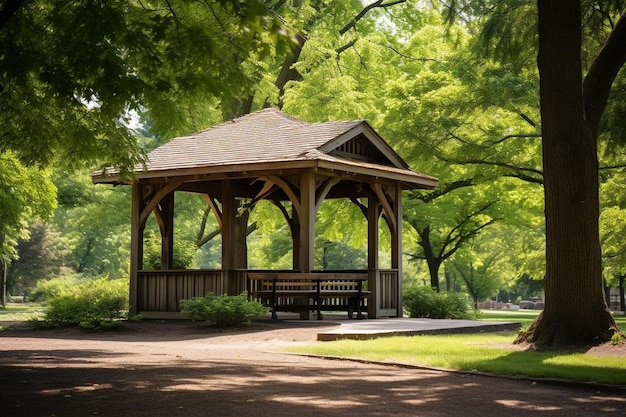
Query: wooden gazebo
point(267, 155)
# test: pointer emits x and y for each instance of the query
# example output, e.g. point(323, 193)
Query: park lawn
point(484, 352)
point(524, 317)
point(20, 312)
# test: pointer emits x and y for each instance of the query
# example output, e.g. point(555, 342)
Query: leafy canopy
point(71, 71)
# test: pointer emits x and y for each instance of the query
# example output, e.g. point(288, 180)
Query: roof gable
point(364, 144)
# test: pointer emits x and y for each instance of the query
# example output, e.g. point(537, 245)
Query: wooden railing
point(388, 287)
point(159, 292)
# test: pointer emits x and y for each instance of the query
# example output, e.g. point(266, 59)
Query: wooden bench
point(313, 291)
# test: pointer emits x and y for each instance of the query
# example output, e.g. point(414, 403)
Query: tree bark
point(3, 275)
point(575, 309)
point(622, 301)
point(433, 262)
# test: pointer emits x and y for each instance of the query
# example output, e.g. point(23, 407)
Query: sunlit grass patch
point(487, 352)
point(525, 317)
point(21, 312)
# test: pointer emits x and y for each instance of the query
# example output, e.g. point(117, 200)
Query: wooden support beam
point(287, 190)
point(229, 209)
point(396, 244)
point(373, 214)
point(323, 191)
point(136, 247)
point(216, 210)
point(306, 216)
point(156, 199)
point(167, 231)
point(388, 206)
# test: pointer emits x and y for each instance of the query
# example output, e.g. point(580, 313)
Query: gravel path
point(182, 368)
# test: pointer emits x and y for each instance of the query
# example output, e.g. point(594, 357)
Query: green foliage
point(42, 255)
point(46, 289)
point(25, 194)
point(95, 221)
point(616, 339)
point(66, 93)
point(425, 302)
point(184, 255)
point(270, 246)
point(224, 310)
point(97, 304)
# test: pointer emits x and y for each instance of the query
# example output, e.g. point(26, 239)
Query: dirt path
point(186, 369)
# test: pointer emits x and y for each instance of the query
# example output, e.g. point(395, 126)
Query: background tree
point(25, 194)
point(571, 119)
point(467, 120)
point(42, 254)
point(94, 221)
point(571, 109)
point(445, 228)
point(612, 230)
point(476, 277)
point(71, 71)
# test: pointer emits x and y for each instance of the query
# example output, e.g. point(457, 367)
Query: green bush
point(49, 288)
point(425, 302)
point(223, 310)
point(92, 304)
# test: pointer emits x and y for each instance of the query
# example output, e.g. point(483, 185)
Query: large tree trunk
point(3, 275)
point(575, 309)
point(622, 301)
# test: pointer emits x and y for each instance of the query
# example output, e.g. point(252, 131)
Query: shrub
point(95, 304)
point(49, 288)
point(223, 310)
point(425, 302)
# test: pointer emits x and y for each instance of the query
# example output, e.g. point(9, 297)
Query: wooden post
point(295, 238)
point(306, 258)
point(229, 211)
point(136, 248)
point(167, 233)
point(396, 245)
point(373, 215)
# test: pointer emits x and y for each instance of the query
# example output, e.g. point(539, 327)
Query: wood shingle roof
point(270, 138)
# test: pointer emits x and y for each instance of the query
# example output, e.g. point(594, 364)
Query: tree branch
point(345, 47)
point(604, 69)
point(201, 242)
point(449, 187)
point(608, 167)
point(507, 137)
point(520, 172)
point(460, 239)
point(380, 4)
point(489, 144)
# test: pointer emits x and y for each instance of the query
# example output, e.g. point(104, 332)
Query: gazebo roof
point(271, 140)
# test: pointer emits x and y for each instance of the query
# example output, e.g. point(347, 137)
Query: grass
point(20, 312)
point(524, 317)
point(484, 352)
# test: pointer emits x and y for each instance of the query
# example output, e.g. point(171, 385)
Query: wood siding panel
point(161, 291)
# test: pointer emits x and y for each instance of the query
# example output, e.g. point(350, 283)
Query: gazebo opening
point(270, 161)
